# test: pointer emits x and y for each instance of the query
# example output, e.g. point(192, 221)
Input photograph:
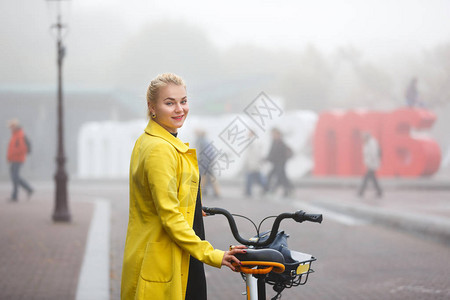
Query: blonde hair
point(160, 81)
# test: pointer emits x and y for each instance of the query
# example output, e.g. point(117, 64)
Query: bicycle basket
point(297, 265)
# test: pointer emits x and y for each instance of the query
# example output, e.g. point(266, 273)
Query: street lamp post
point(61, 210)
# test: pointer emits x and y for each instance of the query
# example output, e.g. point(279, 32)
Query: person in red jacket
point(17, 153)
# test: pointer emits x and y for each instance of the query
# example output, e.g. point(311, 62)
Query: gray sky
point(99, 29)
point(377, 26)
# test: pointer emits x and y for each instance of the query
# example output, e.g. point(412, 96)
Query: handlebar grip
point(209, 210)
point(301, 216)
point(316, 218)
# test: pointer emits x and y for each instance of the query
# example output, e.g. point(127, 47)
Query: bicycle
point(268, 259)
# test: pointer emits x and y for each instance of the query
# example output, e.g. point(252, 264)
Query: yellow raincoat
point(164, 182)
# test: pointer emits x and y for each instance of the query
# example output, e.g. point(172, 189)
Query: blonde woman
point(165, 247)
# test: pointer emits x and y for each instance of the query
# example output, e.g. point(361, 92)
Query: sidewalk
point(420, 207)
point(40, 259)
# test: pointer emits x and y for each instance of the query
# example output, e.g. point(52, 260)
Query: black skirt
point(196, 286)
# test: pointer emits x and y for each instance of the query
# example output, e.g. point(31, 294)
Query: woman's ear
point(150, 108)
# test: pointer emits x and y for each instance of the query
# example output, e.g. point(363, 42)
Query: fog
point(308, 59)
point(313, 55)
point(316, 55)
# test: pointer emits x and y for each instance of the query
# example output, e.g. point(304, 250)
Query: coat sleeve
point(161, 170)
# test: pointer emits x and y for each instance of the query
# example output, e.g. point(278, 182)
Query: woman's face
point(171, 107)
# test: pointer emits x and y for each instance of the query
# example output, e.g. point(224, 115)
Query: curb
point(431, 227)
point(389, 183)
point(354, 182)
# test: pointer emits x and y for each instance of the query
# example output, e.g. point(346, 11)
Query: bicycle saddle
point(260, 261)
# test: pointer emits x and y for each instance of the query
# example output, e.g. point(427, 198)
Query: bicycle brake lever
point(298, 216)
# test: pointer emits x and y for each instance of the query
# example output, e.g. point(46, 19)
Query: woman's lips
point(178, 118)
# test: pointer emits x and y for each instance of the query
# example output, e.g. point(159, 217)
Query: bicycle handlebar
point(299, 216)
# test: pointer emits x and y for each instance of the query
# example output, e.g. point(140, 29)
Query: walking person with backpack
point(18, 149)
point(279, 154)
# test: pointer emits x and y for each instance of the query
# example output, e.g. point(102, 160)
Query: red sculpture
point(404, 152)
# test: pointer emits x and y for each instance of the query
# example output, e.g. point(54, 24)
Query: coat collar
point(155, 129)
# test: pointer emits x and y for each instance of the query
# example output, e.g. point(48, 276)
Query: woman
point(165, 248)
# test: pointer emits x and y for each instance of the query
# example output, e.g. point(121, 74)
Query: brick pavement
point(40, 259)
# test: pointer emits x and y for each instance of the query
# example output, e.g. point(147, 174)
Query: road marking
point(93, 283)
point(328, 214)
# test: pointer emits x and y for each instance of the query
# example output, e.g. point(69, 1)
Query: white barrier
point(104, 148)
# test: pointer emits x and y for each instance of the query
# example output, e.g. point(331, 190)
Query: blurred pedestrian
point(165, 246)
point(207, 157)
point(253, 161)
point(17, 153)
point(412, 94)
point(372, 158)
point(279, 154)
